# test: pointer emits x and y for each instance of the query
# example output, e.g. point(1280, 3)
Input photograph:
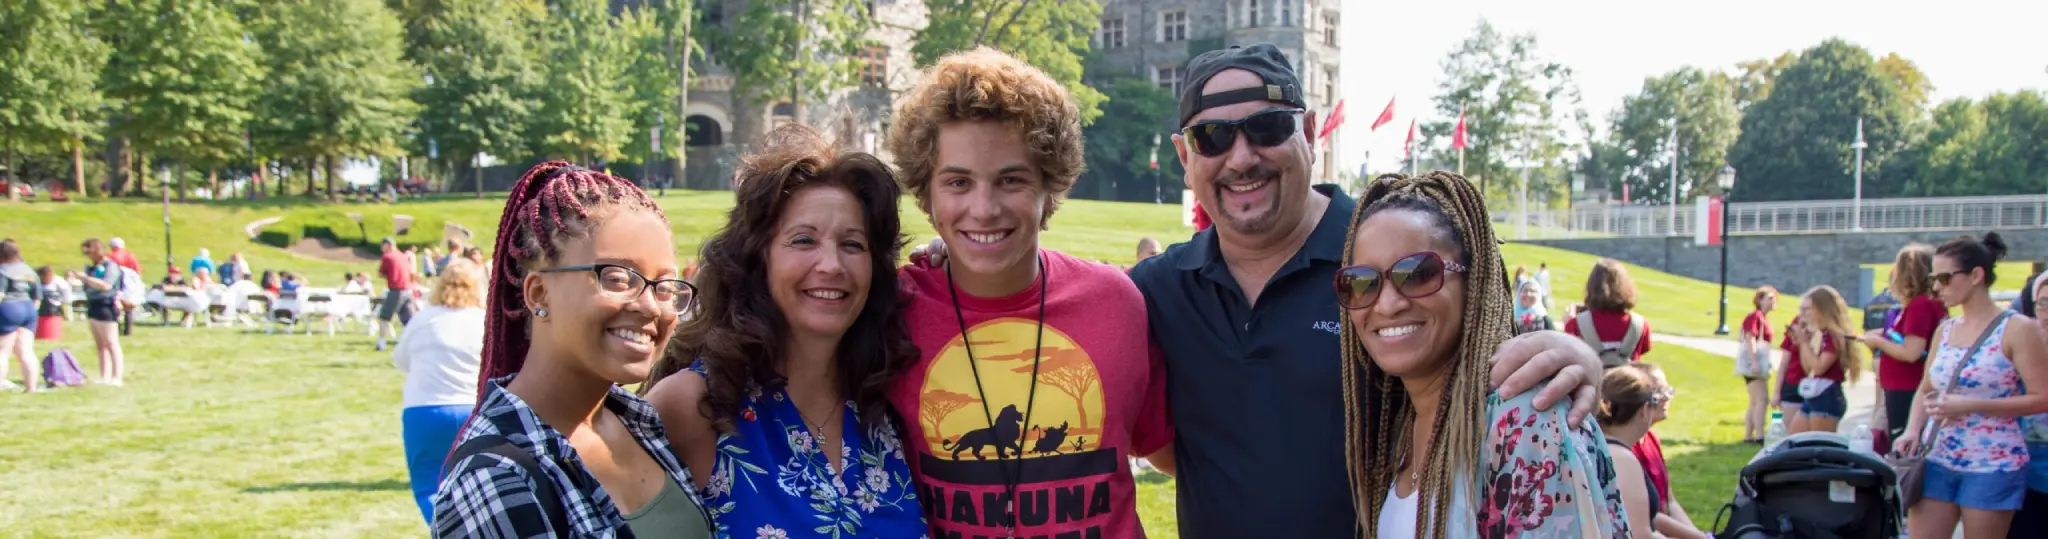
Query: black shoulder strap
point(543, 491)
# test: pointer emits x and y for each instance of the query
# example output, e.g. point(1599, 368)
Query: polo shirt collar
point(1326, 242)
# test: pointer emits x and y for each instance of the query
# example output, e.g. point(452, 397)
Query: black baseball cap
point(1263, 59)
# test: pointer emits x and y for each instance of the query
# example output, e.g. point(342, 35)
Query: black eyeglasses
point(1941, 278)
point(1414, 276)
point(1268, 128)
point(625, 284)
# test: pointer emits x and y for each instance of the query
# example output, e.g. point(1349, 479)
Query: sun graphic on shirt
point(1065, 417)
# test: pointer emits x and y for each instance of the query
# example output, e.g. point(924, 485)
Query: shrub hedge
point(336, 225)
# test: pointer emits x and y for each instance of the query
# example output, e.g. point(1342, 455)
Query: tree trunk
point(142, 174)
point(78, 167)
point(212, 183)
point(178, 178)
point(479, 179)
point(332, 169)
point(312, 169)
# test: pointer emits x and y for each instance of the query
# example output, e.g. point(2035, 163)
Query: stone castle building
point(1150, 38)
point(721, 122)
point(1155, 39)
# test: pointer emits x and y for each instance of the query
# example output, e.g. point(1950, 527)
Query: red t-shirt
point(1797, 372)
point(1650, 453)
point(1612, 326)
point(396, 268)
point(1757, 324)
point(126, 259)
point(1100, 398)
point(1921, 316)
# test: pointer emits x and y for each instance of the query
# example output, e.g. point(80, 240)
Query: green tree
point(1515, 107)
point(1753, 82)
point(1795, 143)
point(1052, 35)
point(795, 51)
point(1122, 148)
point(1998, 146)
point(583, 105)
point(49, 81)
point(1703, 105)
point(184, 73)
point(652, 85)
point(1913, 85)
point(480, 77)
point(338, 85)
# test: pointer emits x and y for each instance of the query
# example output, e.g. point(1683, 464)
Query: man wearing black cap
point(1248, 320)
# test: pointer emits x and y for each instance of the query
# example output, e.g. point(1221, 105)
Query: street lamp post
point(1856, 219)
point(1726, 178)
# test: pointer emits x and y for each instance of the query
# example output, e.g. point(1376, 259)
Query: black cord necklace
point(1014, 473)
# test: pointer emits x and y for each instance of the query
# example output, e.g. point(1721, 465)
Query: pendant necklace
point(1013, 474)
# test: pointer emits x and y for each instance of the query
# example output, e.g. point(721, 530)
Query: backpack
point(130, 290)
point(60, 369)
point(1812, 486)
point(1618, 356)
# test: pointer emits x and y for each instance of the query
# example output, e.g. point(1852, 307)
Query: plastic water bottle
point(1861, 441)
point(1776, 432)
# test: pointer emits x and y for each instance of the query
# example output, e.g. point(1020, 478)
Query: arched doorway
point(704, 131)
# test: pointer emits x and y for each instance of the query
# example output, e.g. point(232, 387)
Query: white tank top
point(1398, 515)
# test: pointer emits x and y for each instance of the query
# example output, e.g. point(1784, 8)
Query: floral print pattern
point(1543, 477)
point(772, 478)
point(1977, 442)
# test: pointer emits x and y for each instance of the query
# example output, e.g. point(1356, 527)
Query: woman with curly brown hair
point(1431, 449)
point(779, 395)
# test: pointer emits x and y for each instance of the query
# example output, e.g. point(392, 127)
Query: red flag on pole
point(1458, 136)
point(1408, 149)
point(1386, 116)
point(1330, 124)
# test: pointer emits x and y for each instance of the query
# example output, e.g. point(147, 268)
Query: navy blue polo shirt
point(1255, 391)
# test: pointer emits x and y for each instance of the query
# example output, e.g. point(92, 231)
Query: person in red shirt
point(1611, 302)
point(1755, 363)
point(396, 267)
point(1902, 346)
point(1037, 375)
point(1821, 351)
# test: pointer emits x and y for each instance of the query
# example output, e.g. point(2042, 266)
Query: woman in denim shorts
point(1976, 470)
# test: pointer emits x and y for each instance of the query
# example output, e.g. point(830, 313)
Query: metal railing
point(1794, 217)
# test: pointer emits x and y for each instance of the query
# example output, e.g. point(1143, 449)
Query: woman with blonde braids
point(1432, 452)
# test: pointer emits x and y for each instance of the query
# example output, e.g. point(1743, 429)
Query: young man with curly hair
point(1036, 378)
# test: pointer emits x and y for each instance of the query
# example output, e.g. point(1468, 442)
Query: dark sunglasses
point(1414, 276)
point(1269, 128)
point(1941, 278)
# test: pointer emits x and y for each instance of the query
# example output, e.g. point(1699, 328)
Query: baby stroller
point(1812, 486)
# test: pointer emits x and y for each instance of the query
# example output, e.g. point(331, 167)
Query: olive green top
point(670, 514)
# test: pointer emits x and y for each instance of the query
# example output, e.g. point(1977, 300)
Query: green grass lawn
point(227, 433)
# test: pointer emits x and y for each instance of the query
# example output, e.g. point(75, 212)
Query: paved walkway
point(1862, 392)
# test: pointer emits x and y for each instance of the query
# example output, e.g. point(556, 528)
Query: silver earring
point(541, 312)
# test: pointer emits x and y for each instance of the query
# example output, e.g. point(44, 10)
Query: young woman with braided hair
point(1431, 451)
point(583, 297)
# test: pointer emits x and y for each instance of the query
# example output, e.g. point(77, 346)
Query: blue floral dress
point(771, 480)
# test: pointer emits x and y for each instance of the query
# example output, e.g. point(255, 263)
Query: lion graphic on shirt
point(1007, 432)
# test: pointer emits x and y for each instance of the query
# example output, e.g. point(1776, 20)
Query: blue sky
point(1968, 48)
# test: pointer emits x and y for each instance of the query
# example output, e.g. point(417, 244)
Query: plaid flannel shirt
point(498, 501)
